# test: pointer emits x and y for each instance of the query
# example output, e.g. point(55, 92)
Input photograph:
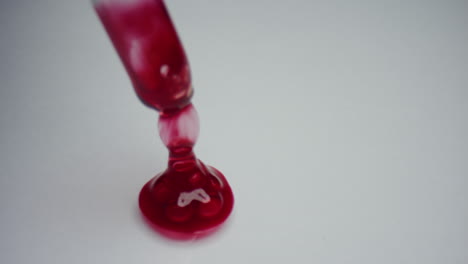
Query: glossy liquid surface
point(147, 43)
point(189, 197)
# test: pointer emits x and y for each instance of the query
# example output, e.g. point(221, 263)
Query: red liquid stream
point(189, 197)
point(147, 43)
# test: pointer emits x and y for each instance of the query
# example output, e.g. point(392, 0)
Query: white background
point(341, 125)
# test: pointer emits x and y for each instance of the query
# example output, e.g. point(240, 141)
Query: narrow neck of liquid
point(182, 159)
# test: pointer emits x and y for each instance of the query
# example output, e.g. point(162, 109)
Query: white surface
point(341, 126)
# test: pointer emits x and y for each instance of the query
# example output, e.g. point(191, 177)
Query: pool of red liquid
point(159, 202)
